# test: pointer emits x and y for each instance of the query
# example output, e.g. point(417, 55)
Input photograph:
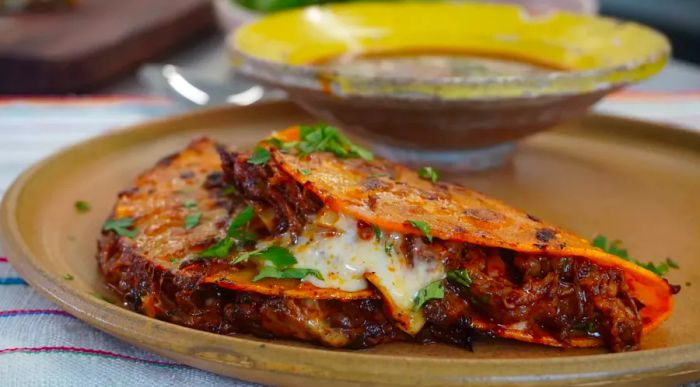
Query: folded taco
point(442, 258)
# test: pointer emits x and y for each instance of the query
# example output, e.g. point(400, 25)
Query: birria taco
point(310, 237)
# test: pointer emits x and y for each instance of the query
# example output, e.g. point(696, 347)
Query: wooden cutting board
point(77, 50)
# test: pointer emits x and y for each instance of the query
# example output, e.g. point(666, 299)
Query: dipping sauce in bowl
point(453, 85)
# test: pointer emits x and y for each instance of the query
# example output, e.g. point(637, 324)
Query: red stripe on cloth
point(3, 260)
point(88, 351)
point(21, 312)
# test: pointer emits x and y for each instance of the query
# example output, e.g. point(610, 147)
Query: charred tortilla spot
point(483, 215)
point(167, 160)
point(185, 175)
point(129, 192)
point(545, 234)
point(374, 184)
point(533, 218)
point(372, 201)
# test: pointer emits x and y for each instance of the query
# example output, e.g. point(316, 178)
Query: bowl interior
point(446, 50)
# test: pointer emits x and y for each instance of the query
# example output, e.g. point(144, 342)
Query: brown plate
point(635, 181)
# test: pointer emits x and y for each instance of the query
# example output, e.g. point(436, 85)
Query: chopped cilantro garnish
point(377, 232)
point(275, 142)
point(122, 226)
point(192, 220)
point(423, 227)
point(218, 250)
point(325, 138)
point(242, 219)
point(585, 326)
point(229, 190)
point(615, 248)
point(278, 256)
point(672, 264)
point(260, 156)
point(82, 206)
point(290, 272)
point(174, 260)
point(281, 259)
point(305, 172)
point(428, 173)
point(237, 229)
point(434, 291)
point(68, 277)
point(388, 248)
point(460, 277)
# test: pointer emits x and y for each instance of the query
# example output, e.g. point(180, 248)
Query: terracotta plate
point(625, 179)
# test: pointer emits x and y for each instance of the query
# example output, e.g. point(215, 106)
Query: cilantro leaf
point(275, 142)
point(68, 277)
point(423, 227)
point(361, 153)
point(242, 219)
point(260, 156)
point(615, 248)
point(278, 256)
point(82, 206)
point(122, 226)
point(325, 138)
point(428, 173)
point(388, 248)
point(192, 220)
point(434, 291)
point(585, 326)
point(460, 277)
point(377, 232)
point(672, 264)
point(237, 230)
point(218, 250)
point(288, 273)
point(229, 190)
point(305, 172)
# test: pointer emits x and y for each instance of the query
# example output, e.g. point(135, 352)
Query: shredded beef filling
point(181, 298)
point(564, 297)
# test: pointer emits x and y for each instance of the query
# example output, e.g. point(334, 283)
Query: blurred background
point(137, 47)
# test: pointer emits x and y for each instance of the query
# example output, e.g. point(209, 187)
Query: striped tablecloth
point(42, 345)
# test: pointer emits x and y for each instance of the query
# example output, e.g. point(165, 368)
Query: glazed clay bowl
point(447, 84)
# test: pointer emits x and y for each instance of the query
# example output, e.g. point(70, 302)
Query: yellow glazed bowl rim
point(599, 53)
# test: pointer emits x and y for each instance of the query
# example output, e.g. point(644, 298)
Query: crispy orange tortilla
point(388, 195)
point(156, 202)
point(242, 280)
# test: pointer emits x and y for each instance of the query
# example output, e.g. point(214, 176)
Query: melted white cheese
point(344, 259)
